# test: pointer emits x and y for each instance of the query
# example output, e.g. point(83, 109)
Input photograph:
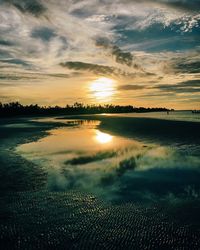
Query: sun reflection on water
point(103, 137)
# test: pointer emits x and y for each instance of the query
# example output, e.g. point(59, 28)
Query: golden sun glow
point(103, 137)
point(103, 88)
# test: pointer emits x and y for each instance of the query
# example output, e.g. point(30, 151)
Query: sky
point(138, 52)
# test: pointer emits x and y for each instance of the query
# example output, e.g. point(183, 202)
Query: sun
point(103, 88)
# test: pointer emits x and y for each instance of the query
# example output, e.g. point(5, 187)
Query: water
point(81, 136)
point(81, 156)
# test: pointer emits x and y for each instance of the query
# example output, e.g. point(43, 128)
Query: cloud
point(34, 7)
point(184, 5)
point(5, 43)
point(131, 87)
point(139, 15)
point(180, 63)
point(4, 54)
point(190, 86)
point(17, 79)
point(44, 33)
point(95, 68)
point(120, 56)
point(181, 5)
point(188, 67)
point(15, 61)
point(191, 83)
point(105, 70)
point(12, 77)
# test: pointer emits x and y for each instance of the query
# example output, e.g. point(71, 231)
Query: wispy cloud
point(188, 66)
point(190, 86)
point(131, 87)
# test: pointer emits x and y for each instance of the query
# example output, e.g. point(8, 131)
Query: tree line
point(17, 109)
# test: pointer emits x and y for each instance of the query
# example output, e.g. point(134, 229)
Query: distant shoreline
point(16, 109)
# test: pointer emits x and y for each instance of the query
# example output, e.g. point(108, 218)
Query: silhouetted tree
point(17, 109)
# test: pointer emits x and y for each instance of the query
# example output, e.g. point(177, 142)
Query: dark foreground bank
point(34, 218)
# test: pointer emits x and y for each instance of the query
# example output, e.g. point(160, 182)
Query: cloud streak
point(190, 86)
point(131, 87)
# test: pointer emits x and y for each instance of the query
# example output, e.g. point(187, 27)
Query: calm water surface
point(79, 138)
point(79, 155)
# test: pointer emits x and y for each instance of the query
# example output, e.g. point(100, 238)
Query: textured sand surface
point(71, 220)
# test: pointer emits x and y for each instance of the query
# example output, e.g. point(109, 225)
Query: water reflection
point(78, 137)
point(79, 155)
